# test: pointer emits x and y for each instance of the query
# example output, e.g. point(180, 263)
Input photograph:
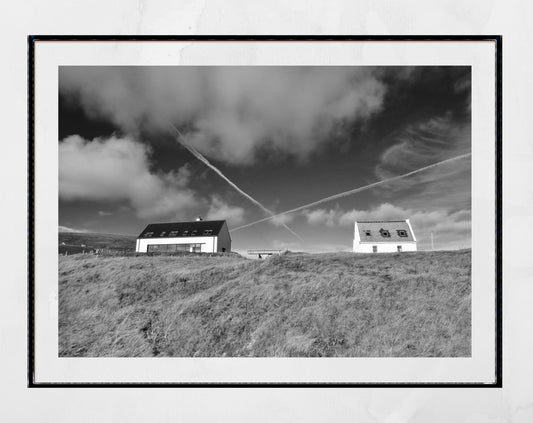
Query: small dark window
point(367, 232)
point(384, 233)
point(374, 248)
point(399, 248)
point(208, 232)
point(402, 233)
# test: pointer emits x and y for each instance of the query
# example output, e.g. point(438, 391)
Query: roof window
point(173, 233)
point(384, 233)
point(194, 232)
point(402, 233)
point(162, 233)
point(148, 234)
point(185, 233)
point(367, 232)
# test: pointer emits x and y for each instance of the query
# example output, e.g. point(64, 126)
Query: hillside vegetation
point(306, 305)
point(98, 240)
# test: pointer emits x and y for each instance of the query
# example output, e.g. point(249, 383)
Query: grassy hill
point(74, 240)
point(386, 305)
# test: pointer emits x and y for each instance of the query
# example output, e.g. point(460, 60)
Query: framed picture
point(265, 211)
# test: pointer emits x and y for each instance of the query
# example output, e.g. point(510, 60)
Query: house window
point(208, 232)
point(367, 232)
point(374, 248)
point(173, 248)
point(384, 233)
point(399, 248)
point(148, 234)
point(402, 233)
point(173, 233)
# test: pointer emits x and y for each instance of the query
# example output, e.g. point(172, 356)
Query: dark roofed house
point(200, 236)
point(383, 236)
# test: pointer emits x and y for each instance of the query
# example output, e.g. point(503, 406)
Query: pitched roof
point(177, 229)
point(376, 228)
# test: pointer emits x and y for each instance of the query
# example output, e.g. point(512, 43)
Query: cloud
point(220, 210)
point(433, 140)
point(68, 229)
point(282, 220)
point(338, 217)
point(231, 113)
point(118, 169)
point(322, 217)
point(427, 142)
point(464, 83)
point(451, 229)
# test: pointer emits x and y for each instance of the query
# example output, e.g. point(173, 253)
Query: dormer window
point(162, 233)
point(367, 232)
point(208, 232)
point(148, 234)
point(173, 233)
point(194, 232)
point(402, 233)
point(384, 233)
point(185, 233)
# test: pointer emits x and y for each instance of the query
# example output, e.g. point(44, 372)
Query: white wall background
point(390, 247)
point(208, 242)
point(513, 403)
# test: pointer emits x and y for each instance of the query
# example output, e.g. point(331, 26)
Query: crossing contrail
point(353, 191)
point(200, 157)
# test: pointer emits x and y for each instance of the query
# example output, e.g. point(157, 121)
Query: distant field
point(305, 305)
point(74, 240)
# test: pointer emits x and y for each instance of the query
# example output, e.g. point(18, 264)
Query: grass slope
point(97, 240)
point(387, 305)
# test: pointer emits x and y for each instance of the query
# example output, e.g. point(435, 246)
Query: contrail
point(200, 157)
point(353, 191)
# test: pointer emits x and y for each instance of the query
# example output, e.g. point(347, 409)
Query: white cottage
point(383, 236)
point(201, 236)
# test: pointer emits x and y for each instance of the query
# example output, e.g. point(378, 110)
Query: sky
point(285, 136)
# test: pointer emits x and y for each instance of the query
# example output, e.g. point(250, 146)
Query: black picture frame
point(33, 39)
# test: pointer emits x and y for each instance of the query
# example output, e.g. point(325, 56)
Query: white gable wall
point(383, 247)
point(208, 243)
point(411, 229)
point(356, 240)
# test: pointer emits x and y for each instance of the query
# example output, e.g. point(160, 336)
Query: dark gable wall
point(224, 239)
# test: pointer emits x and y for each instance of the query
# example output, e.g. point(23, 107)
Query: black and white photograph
point(264, 211)
point(267, 212)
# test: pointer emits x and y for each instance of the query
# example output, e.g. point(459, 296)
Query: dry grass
point(98, 240)
point(305, 305)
